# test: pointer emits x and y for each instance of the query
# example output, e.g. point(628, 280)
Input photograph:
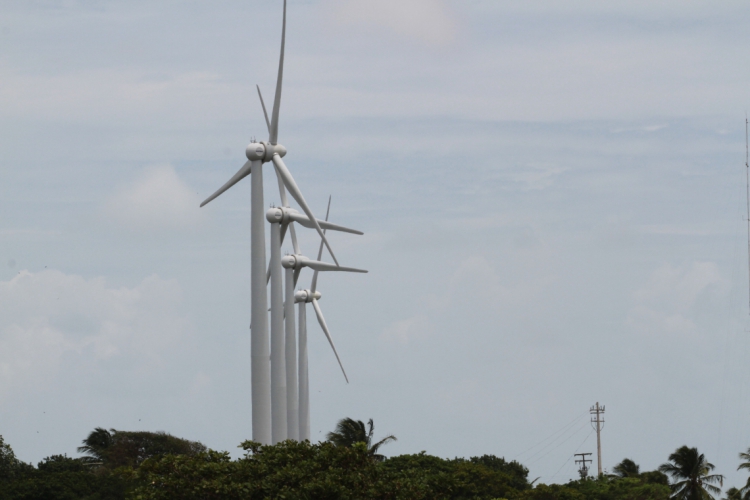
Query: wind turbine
point(283, 383)
point(257, 154)
point(303, 297)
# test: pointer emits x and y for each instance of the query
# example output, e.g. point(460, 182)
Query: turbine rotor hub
point(306, 296)
point(263, 151)
point(275, 215)
point(289, 261)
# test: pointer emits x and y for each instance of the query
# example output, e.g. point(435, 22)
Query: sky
point(553, 196)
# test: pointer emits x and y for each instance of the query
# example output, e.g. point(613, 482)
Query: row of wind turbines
point(279, 368)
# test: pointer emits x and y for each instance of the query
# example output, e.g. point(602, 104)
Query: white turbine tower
point(257, 154)
point(284, 392)
point(303, 297)
point(293, 265)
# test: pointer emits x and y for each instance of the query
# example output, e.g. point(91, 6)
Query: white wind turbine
point(257, 154)
point(284, 414)
point(303, 297)
point(297, 423)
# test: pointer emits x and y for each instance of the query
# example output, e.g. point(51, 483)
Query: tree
point(115, 448)
point(95, 446)
point(733, 493)
point(349, 432)
point(745, 490)
point(290, 469)
point(690, 475)
point(627, 468)
point(10, 466)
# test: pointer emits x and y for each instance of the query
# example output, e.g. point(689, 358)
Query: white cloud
point(406, 330)
point(103, 93)
point(666, 304)
point(429, 21)
point(50, 318)
point(159, 199)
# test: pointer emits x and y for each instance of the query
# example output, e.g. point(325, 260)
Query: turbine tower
point(257, 154)
point(284, 378)
point(303, 297)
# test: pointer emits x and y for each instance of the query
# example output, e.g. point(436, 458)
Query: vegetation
point(112, 449)
point(744, 492)
point(690, 473)
point(122, 465)
point(350, 432)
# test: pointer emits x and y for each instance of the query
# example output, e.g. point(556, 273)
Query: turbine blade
point(294, 238)
point(268, 124)
point(304, 221)
point(283, 231)
point(282, 191)
point(243, 172)
point(296, 275)
point(274, 134)
point(325, 266)
point(323, 325)
point(314, 284)
point(297, 195)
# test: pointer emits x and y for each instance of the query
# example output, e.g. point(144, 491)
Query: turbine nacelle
point(306, 296)
point(263, 151)
point(291, 261)
point(275, 215)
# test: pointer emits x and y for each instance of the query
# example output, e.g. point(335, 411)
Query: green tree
point(690, 472)
point(9, 464)
point(733, 493)
point(114, 448)
point(627, 468)
point(349, 432)
point(95, 446)
point(291, 469)
point(63, 478)
point(745, 456)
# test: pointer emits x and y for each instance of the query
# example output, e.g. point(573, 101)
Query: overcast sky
point(552, 195)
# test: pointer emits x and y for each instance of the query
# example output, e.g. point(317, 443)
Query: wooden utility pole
point(598, 421)
point(583, 470)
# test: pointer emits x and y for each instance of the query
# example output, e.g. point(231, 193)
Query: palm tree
point(690, 473)
point(733, 494)
point(626, 468)
point(349, 431)
point(745, 490)
point(95, 445)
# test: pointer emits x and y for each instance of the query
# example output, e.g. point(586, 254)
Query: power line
point(747, 189)
point(561, 429)
point(568, 460)
point(575, 433)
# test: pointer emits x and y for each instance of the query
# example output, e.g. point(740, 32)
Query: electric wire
point(568, 460)
point(562, 429)
point(747, 190)
point(734, 366)
point(577, 431)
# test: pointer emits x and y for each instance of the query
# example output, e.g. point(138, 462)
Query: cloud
point(429, 21)
point(100, 94)
point(406, 330)
point(159, 199)
point(667, 303)
point(50, 319)
point(537, 176)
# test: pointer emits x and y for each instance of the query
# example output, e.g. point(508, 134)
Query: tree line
point(119, 465)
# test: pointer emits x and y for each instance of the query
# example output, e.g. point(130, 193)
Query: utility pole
point(598, 411)
point(583, 470)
